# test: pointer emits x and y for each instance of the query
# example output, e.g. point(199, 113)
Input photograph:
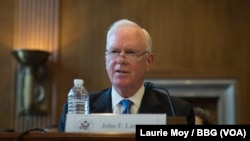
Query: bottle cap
point(78, 81)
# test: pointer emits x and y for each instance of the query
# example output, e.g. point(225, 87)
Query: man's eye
point(114, 52)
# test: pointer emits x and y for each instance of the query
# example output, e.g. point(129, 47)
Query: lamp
point(30, 57)
point(31, 81)
point(35, 50)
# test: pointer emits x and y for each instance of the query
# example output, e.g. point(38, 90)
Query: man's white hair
point(126, 22)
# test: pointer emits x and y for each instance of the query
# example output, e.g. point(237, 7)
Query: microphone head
point(148, 84)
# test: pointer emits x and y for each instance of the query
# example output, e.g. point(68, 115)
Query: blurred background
point(45, 44)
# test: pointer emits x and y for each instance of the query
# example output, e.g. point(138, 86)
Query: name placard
point(111, 122)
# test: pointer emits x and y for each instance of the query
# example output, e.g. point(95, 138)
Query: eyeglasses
point(129, 55)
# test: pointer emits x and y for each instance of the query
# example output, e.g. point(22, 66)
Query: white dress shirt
point(136, 99)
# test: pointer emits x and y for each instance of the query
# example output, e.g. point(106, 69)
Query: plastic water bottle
point(78, 98)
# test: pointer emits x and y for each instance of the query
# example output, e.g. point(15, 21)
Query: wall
point(191, 39)
point(7, 71)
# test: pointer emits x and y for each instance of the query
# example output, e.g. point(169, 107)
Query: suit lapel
point(150, 103)
point(103, 103)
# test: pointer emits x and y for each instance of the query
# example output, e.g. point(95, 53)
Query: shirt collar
point(136, 98)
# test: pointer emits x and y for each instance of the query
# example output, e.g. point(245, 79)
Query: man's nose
point(122, 54)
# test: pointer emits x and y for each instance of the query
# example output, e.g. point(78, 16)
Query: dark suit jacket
point(153, 102)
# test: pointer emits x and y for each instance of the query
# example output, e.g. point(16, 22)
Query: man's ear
point(150, 60)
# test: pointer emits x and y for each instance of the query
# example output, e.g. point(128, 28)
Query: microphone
point(151, 85)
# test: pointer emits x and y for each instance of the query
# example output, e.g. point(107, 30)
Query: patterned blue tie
point(126, 104)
